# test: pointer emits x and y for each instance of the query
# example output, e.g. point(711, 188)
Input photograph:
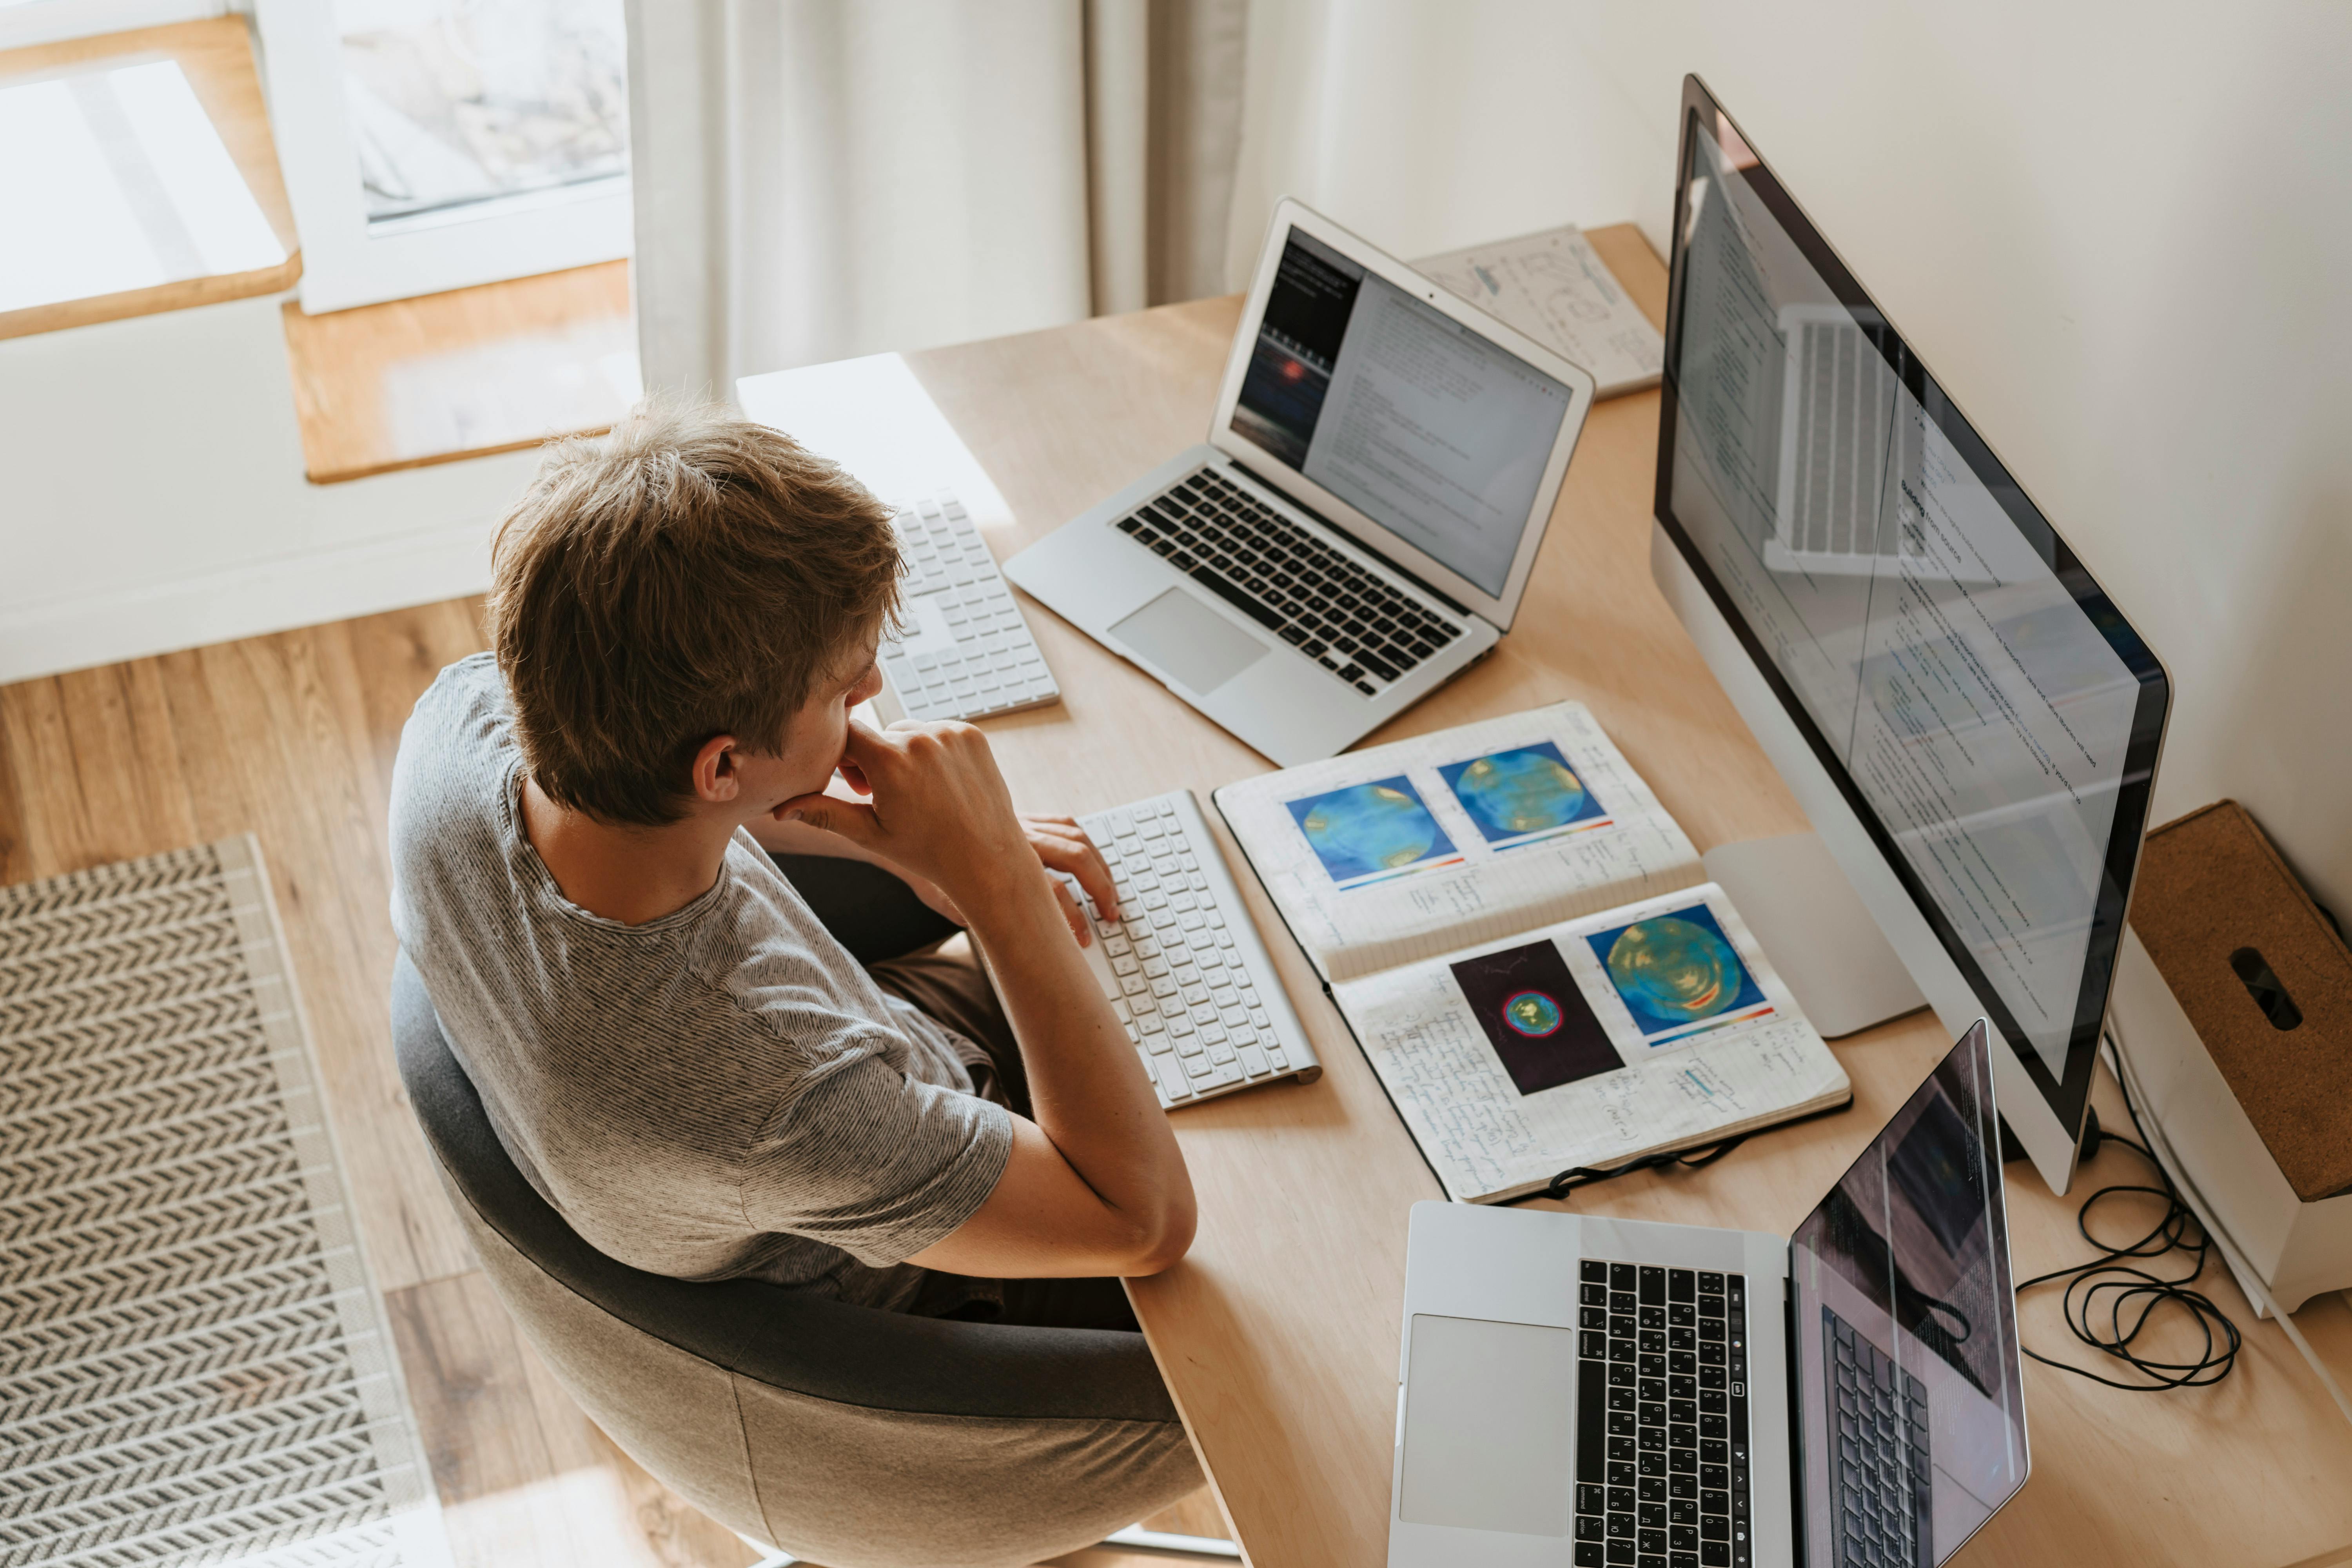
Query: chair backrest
point(839, 1433)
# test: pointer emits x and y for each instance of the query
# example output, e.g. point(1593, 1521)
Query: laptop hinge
point(1414, 578)
point(1796, 1412)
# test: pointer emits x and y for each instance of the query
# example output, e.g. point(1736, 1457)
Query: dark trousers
point(897, 937)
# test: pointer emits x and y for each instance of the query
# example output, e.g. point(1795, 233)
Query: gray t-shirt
point(720, 1092)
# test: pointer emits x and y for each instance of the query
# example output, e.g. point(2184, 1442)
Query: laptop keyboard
point(1351, 622)
point(1878, 1462)
point(1661, 1417)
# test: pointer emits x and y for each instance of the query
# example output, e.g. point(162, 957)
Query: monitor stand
point(1816, 931)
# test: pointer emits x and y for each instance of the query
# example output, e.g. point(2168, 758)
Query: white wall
point(152, 497)
point(1427, 125)
point(2122, 236)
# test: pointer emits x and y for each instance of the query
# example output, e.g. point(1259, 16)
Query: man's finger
point(1078, 857)
point(1072, 912)
point(853, 821)
point(863, 744)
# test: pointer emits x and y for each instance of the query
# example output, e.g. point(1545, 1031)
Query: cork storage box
point(2233, 1007)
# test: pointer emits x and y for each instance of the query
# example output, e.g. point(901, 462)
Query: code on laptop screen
point(1428, 428)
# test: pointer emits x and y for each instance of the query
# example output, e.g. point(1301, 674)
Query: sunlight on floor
point(133, 188)
point(579, 1516)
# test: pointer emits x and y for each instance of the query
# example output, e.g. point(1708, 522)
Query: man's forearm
point(1089, 1093)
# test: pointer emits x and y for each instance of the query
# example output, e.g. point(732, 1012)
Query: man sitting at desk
point(672, 1046)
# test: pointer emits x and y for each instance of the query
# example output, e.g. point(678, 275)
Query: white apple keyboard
point(964, 651)
point(1183, 966)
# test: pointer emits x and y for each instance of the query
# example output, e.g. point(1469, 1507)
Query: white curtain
point(823, 178)
point(817, 179)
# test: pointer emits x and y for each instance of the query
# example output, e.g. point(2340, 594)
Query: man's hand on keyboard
point(940, 814)
point(1062, 846)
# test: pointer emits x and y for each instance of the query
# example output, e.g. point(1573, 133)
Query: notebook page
point(1381, 856)
point(1556, 288)
point(1652, 1027)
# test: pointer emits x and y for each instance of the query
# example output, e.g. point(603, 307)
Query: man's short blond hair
point(690, 575)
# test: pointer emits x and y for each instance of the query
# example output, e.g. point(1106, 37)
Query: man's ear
point(716, 777)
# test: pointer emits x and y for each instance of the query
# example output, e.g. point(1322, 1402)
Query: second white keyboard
point(964, 651)
point(1183, 966)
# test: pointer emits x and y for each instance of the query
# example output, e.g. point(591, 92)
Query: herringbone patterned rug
point(194, 1366)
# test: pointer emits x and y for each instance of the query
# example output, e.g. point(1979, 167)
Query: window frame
point(345, 265)
point(23, 27)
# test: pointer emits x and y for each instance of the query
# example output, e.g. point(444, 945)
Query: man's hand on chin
point(778, 837)
point(926, 817)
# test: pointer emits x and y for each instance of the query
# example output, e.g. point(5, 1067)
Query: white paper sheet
point(872, 417)
point(1556, 288)
point(1689, 1078)
point(1365, 912)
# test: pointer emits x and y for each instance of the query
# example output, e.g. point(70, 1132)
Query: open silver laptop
point(1360, 525)
point(1584, 1391)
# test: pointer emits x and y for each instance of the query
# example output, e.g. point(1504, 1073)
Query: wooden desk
point(1278, 1335)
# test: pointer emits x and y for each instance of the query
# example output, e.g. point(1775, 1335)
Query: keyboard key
point(1173, 1082)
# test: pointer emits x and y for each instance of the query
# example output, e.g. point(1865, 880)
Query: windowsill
point(464, 374)
point(217, 57)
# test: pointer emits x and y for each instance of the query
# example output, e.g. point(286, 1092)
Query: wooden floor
point(291, 737)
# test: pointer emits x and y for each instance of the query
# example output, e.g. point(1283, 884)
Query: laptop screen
point(1908, 1377)
point(1433, 432)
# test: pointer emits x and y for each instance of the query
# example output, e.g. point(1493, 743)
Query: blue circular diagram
point(1531, 1013)
point(1676, 970)
point(1519, 791)
point(1370, 825)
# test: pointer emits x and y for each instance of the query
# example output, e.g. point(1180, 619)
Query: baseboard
point(244, 601)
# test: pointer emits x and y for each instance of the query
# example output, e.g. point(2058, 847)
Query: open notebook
point(1528, 951)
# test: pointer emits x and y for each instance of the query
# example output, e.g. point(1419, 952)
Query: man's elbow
point(1165, 1242)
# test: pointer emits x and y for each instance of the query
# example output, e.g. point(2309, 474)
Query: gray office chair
point(854, 1437)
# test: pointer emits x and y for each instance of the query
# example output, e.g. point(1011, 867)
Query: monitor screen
point(1912, 1409)
point(1429, 430)
point(1982, 707)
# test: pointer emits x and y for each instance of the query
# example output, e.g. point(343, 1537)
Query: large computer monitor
point(1969, 722)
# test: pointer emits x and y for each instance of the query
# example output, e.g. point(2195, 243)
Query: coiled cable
point(2110, 1300)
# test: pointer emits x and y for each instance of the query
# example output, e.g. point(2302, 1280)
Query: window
point(133, 187)
point(431, 144)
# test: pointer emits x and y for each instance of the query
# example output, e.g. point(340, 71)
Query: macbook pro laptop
point(1358, 527)
point(1583, 1390)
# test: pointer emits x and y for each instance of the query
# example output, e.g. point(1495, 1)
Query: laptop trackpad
point(1489, 1411)
point(1190, 640)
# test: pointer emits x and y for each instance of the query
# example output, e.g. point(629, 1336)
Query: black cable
point(2115, 1290)
point(1576, 1177)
